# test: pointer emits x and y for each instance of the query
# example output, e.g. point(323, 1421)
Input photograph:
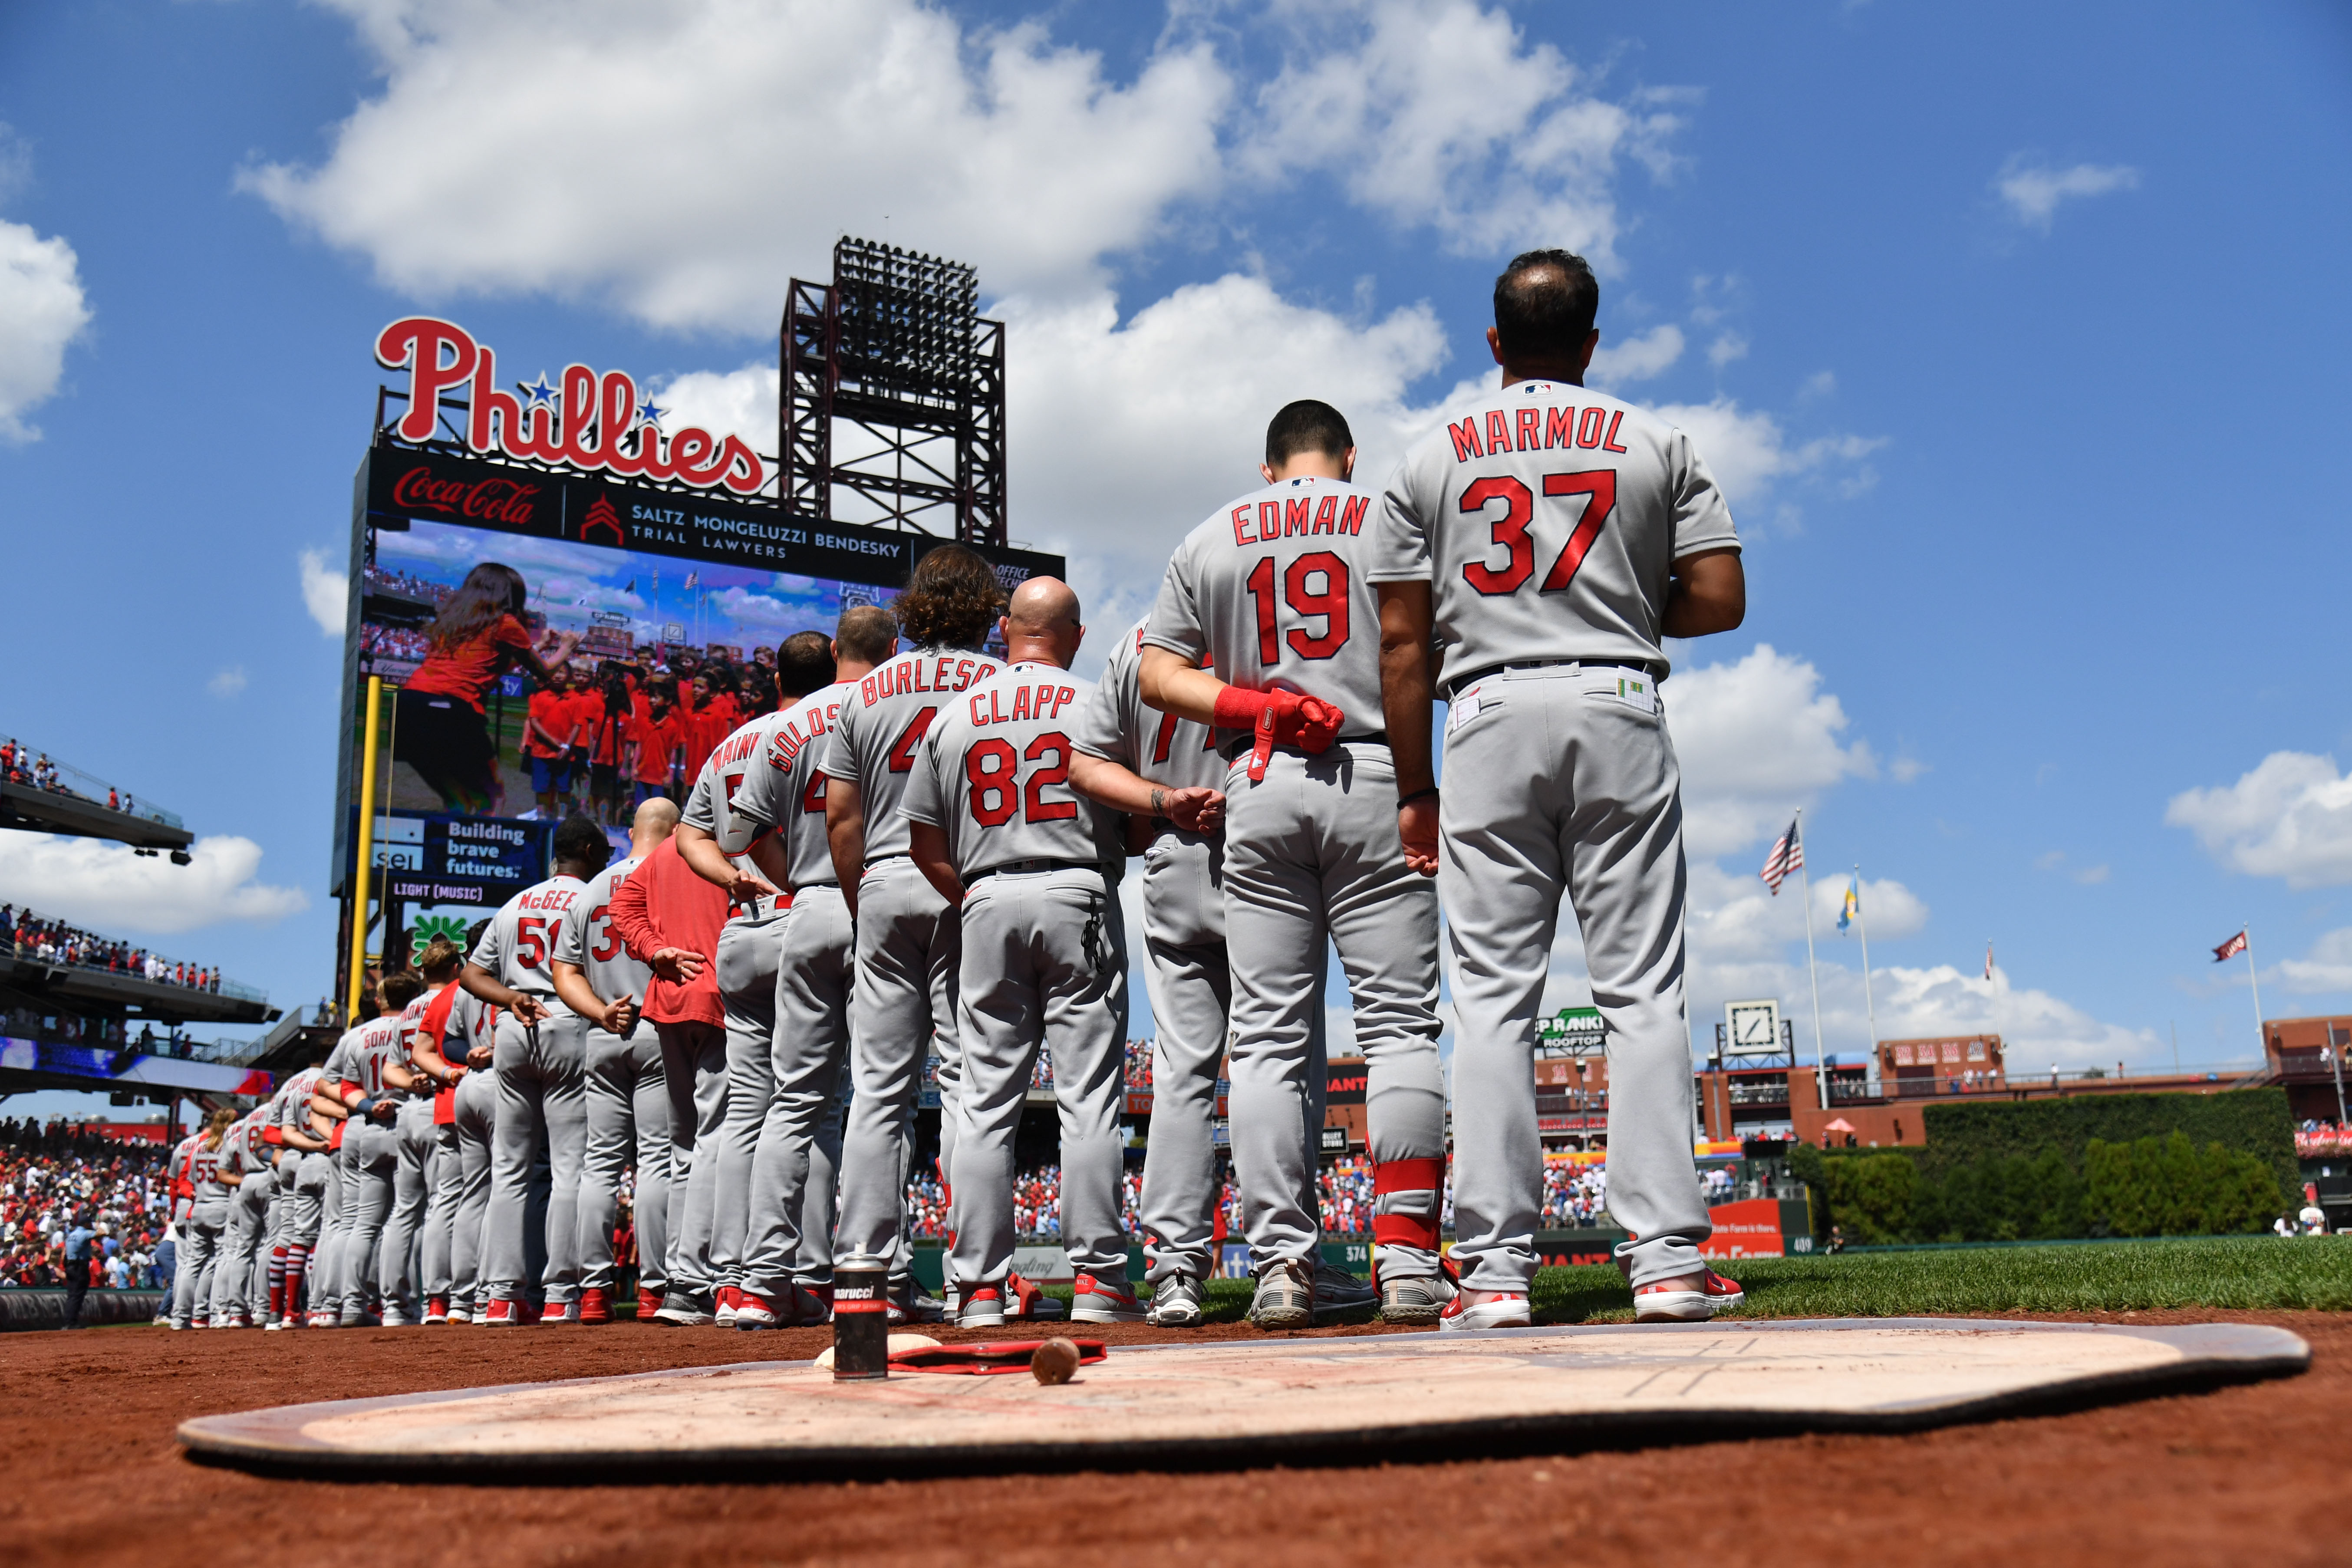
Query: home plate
point(1239, 1402)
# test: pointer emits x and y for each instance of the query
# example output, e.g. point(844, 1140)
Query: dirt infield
point(94, 1477)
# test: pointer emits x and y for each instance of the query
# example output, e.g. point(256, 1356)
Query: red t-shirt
point(655, 741)
point(436, 1020)
point(462, 671)
point(587, 712)
point(551, 712)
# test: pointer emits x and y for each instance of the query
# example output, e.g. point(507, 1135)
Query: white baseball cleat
point(1676, 1301)
point(1503, 1310)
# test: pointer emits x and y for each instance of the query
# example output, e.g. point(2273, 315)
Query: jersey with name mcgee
point(521, 937)
point(1548, 518)
point(1119, 726)
point(788, 793)
point(587, 940)
point(1271, 592)
point(994, 772)
point(882, 722)
point(711, 803)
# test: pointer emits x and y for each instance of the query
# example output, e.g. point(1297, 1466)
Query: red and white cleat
point(501, 1314)
point(1503, 1310)
point(436, 1309)
point(753, 1310)
point(1096, 1301)
point(595, 1306)
point(1676, 1301)
point(728, 1300)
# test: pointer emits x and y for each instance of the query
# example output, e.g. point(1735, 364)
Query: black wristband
point(1418, 794)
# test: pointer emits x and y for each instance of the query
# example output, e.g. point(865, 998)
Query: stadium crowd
point(52, 941)
point(54, 1181)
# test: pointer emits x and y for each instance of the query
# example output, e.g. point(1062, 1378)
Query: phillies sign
point(597, 423)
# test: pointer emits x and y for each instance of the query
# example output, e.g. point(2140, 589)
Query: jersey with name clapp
point(994, 772)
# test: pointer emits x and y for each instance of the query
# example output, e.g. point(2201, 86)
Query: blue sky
point(2011, 333)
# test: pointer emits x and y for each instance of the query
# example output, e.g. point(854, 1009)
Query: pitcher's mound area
point(1230, 1403)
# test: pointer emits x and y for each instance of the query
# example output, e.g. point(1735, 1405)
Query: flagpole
point(1821, 1063)
point(1993, 980)
point(1862, 921)
point(2254, 979)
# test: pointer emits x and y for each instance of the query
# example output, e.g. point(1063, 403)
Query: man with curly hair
point(908, 939)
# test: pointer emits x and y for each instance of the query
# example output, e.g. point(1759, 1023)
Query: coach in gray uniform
point(354, 1085)
point(903, 1007)
point(1546, 539)
point(1269, 591)
point(629, 1097)
point(541, 1055)
point(788, 1258)
point(995, 828)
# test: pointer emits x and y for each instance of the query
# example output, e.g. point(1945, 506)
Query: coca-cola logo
point(489, 501)
point(595, 423)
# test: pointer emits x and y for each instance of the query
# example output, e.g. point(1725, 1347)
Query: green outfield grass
point(2232, 1272)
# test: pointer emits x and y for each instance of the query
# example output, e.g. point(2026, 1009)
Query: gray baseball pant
point(792, 1174)
point(1312, 856)
point(306, 1207)
point(327, 1263)
point(200, 1240)
point(628, 1116)
point(240, 1258)
point(747, 988)
point(1556, 785)
point(442, 1194)
point(1043, 965)
point(532, 1230)
point(478, 1119)
point(372, 1156)
point(1191, 990)
point(397, 1265)
point(694, 1075)
point(903, 1009)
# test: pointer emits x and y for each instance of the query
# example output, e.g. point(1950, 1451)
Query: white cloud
point(108, 887)
point(227, 682)
point(1748, 453)
point(1757, 739)
point(1906, 769)
point(2327, 967)
point(42, 310)
point(1820, 384)
point(2290, 817)
point(1727, 348)
point(747, 136)
point(326, 593)
point(2034, 191)
point(1435, 113)
point(1636, 358)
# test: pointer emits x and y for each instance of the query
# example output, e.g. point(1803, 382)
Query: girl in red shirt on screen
point(440, 728)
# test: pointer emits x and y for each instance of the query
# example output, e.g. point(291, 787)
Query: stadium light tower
point(895, 350)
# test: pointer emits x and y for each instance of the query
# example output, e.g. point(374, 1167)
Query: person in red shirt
point(440, 728)
point(606, 711)
point(669, 918)
point(547, 738)
point(653, 741)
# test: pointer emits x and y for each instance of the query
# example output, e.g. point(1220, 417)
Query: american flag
point(1787, 855)
point(2232, 948)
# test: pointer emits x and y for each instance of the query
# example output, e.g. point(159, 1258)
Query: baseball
point(1055, 1362)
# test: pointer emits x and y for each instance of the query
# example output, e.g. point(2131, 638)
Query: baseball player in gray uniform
point(532, 1241)
point(903, 1005)
point(1270, 592)
point(305, 1161)
point(456, 1041)
point(628, 1097)
point(743, 857)
point(1035, 868)
point(328, 1114)
point(473, 1111)
point(371, 1149)
point(788, 1262)
point(243, 1168)
point(1546, 539)
point(200, 1231)
point(1169, 775)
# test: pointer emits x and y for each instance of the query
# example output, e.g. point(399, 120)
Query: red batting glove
point(1280, 718)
